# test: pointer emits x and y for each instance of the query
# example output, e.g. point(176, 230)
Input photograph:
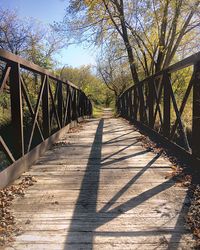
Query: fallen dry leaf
point(7, 223)
point(193, 217)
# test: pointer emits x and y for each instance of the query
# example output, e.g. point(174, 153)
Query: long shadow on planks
point(87, 200)
point(86, 219)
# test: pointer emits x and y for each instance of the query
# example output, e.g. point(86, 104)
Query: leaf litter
point(8, 227)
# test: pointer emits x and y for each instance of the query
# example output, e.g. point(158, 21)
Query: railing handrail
point(10, 57)
point(186, 62)
point(35, 121)
point(150, 103)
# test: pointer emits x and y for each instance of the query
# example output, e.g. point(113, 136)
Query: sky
point(48, 11)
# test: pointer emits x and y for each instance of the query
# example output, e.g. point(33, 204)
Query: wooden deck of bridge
point(100, 189)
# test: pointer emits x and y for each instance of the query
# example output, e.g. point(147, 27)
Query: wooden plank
point(125, 246)
point(99, 238)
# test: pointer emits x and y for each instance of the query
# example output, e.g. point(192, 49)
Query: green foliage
point(94, 87)
point(97, 111)
point(180, 81)
point(4, 109)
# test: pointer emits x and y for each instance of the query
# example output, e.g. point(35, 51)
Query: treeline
point(90, 83)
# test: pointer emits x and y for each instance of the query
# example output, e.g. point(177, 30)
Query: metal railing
point(37, 113)
point(152, 101)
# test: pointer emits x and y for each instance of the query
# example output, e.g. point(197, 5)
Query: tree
point(13, 33)
point(152, 32)
point(33, 42)
point(113, 68)
point(163, 30)
point(28, 39)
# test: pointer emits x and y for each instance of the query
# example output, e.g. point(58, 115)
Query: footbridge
point(92, 183)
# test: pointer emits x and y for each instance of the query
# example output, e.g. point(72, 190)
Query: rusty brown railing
point(38, 113)
point(151, 103)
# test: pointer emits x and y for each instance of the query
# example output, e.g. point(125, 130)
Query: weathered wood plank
point(125, 246)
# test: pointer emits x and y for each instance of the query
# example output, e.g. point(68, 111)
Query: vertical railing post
point(60, 103)
point(45, 108)
point(117, 105)
point(83, 101)
point(151, 102)
point(124, 106)
point(82, 105)
point(86, 106)
point(69, 107)
point(16, 109)
point(141, 102)
point(131, 103)
point(74, 108)
point(119, 102)
point(120, 105)
point(89, 107)
point(75, 104)
point(196, 112)
point(127, 105)
point(135, 105)
point(124, 98)
point(90, 104)
point(166, 109)
point(78, 104)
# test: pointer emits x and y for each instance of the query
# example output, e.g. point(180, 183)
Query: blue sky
point(47, 11)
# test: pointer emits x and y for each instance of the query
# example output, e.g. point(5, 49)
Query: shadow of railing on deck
point(86, 219)
point(87, 200)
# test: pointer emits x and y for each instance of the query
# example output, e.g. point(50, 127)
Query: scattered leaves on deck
point(76, 129)
point(193, 217)
point(7, 223)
